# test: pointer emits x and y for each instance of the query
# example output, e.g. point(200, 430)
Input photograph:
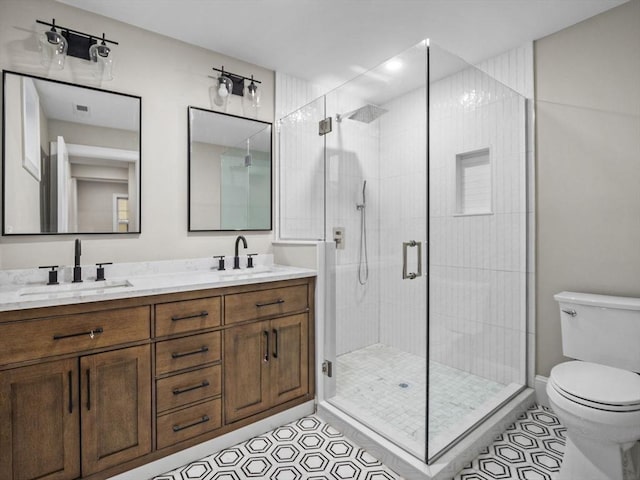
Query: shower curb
point(449, 464)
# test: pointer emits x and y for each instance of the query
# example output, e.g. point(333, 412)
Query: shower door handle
point(405, 273)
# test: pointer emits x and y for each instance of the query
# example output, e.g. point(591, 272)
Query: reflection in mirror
point(71, 158)
point(229, 172)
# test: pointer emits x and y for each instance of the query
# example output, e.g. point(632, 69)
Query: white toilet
point(598, 397)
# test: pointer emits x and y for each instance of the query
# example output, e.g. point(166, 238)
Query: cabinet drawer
point(253, 305)
point(186, 316)
point(72, 333)
point(188, 423)
point(189, 387)
point(180, 353)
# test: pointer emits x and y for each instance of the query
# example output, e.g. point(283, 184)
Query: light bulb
point(222, 90)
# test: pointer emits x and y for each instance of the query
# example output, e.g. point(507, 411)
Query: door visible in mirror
point(229, 172)
point(71, 158)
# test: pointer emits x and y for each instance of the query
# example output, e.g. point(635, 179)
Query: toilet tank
point(601, 329)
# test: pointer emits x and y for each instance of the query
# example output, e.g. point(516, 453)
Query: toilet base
point(585, 459)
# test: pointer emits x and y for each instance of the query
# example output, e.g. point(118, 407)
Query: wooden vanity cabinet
point(188, 369)
point(115, 407)
point(266, 364)
point(89, 391)
point(63, 419)
point(266, 361)
point(40, 422)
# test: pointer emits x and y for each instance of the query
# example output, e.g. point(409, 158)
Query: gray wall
point(588, 166)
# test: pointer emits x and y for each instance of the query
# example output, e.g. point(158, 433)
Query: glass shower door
point(376, 184)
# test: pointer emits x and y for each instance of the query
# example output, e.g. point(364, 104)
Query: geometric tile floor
point(310, 449)
point(530, 449)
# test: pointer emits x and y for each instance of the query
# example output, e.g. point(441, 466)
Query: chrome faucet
point(236, 258)
point(77, 270)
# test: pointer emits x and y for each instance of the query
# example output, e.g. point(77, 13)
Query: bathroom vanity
point(90, 388)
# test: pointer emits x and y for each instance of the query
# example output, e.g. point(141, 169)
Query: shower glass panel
point(419, 193)
point(477, 244)
point(376, 182)
point(301, 174)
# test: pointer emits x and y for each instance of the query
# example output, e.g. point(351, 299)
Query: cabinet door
point(116, 407)
point(289, 376)
point(246, 357)
point(39, 422)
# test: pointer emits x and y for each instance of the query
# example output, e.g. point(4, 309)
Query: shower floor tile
point(385, 388)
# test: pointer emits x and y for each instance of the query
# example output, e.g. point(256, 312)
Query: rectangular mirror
point(71, 160)
point(229, 172)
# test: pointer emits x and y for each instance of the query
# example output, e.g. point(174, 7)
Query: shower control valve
point(338, 237)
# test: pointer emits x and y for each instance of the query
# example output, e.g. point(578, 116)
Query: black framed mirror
point(71, 158)
point(230, 161)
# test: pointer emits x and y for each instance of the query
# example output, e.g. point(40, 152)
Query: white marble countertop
point(27, 288)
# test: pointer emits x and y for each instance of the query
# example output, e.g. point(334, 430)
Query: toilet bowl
point(597, 398)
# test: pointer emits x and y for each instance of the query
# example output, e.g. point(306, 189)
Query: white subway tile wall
point(477, 269)
point(478, 262)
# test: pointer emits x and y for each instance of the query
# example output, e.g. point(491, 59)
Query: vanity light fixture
point(232, 84)
point(251, 97)
point(220, 93)
point(101, 54)
point(56, 45)
point(53, 48)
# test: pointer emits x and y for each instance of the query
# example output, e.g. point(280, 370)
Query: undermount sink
point(213, 276)
point(75, 288)
point(244, 272)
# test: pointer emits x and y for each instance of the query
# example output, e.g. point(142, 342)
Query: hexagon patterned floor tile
point(528, 450)
point(309, 449)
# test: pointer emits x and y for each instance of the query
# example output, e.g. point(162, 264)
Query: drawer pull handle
point(178, 391)
point(193, 352)
point(276, 302)
point(204, 313)
point(275, 346)
point(70, 391)
point(204, 419)
point(91, 333)
point(88, 372)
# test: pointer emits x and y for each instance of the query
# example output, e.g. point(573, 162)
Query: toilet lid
point(598, 384)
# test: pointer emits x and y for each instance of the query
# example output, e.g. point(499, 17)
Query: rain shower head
point(366, 114)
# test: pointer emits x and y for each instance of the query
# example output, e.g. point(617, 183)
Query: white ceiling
point(229, 130)
point(104, 109)
point(331, 41)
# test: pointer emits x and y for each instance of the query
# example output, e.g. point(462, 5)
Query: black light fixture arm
point(77, 32)
point(235, 75)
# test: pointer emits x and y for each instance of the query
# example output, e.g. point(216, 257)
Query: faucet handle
point(220, 261)
point(250, 259)
point(53, 274)
point(100, 270)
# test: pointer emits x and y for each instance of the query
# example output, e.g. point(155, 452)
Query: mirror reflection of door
point(89, 154)
point(87, 181)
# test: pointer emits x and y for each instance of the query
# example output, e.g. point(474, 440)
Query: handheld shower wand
point(363, 260)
